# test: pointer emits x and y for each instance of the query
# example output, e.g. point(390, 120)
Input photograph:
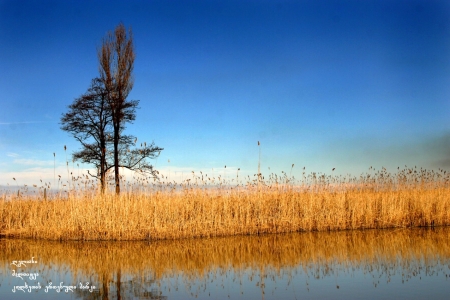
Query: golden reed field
point(208, 207)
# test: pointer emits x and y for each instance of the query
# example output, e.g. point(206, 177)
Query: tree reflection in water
point(240, 265)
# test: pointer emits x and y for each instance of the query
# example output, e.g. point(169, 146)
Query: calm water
point(381, 264)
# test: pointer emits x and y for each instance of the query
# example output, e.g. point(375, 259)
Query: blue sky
point(321, 84)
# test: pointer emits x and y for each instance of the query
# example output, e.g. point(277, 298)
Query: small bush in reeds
point(198, 208)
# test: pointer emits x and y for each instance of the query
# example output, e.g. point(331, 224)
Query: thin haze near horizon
point(321, 84)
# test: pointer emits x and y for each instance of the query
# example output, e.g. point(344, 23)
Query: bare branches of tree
point(89, 117)
point(116, 58)
point(136, 159)
point(98, 118)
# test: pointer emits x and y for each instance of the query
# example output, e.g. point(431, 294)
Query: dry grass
point(198, 208)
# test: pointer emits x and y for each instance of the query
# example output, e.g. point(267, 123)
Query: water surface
point(382, 264)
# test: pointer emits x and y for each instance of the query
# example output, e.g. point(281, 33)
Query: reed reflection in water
point(409, 263)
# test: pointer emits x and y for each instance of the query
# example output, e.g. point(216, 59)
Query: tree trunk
point(102, 168)
point(116, 158)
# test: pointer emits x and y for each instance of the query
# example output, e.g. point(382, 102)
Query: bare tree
point(89, 120)
point(89, 117)
point(116, 57)
point(97, 119)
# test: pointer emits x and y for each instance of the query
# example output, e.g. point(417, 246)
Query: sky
point(320, 84)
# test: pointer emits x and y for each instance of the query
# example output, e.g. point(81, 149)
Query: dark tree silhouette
point(116, 57)
point(103, 111)
point(89, 118)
